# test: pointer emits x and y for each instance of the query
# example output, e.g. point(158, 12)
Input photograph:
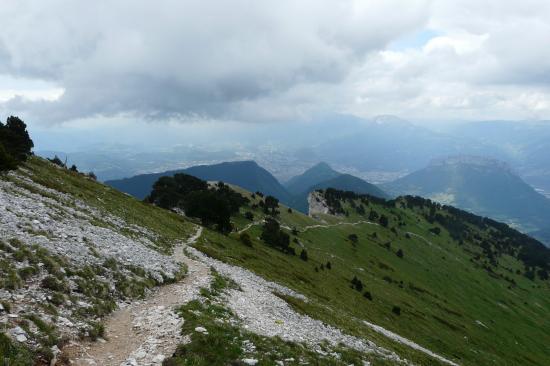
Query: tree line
point(213, 205)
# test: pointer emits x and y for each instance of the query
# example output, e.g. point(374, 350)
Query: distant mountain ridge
point(246, 174)
point(252, 177)
point(483, 186)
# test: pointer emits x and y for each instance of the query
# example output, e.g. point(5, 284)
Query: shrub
point(373, 215)
point(435, 230)
point(245, 239)
point(249, 215)
point(329, 265)
point(274, 236)
point(289, 210)
point(52, 283)
point(384, 221)
point(399, 253)
point(270, 205)
point(396, 310)
point(74, 168)
point(367, 295)
point(27, 272)
point(303, 255)
point(356, 284)
point(57, 298)
point(353, 238)
point(57, 161)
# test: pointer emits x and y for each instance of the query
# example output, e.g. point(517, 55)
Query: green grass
point(444, 294)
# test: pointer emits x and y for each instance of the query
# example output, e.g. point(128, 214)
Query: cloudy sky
point(65, 62)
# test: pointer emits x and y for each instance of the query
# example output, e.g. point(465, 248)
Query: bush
point(353, 238)
point(245, 239)
point(399, 253)
point(249, 215)
point(270, 205)
point(367, 295)
point(52, 283)
point(435, 230)
point(384, 221)
point(57, 161)
point(275, 237)
point(396, 310)
point(357, 284)
point(329, 265)
point(303, 255)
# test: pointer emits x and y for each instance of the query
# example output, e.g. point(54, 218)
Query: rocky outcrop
point(317, 204)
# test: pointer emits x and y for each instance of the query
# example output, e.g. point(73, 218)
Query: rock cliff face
point(317, 204)
point(65, 264)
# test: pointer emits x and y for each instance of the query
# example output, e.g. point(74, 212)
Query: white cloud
point(276, 60)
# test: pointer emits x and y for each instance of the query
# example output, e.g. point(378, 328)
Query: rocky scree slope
point(66, 263)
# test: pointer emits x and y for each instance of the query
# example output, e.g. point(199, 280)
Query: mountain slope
point(344, 182)
point(485, 187)
point(452, 282)
point(246, 174)
point(71, 249)
point(368, 290)
point(316, 174)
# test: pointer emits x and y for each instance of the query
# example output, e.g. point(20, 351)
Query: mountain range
point(250, 176)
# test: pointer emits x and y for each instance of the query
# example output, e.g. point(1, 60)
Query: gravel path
point(146, 332)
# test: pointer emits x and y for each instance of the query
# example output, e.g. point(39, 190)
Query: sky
point(93, 65)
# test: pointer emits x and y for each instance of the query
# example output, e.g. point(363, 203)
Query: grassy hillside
point(460, 288)
point(469, 289)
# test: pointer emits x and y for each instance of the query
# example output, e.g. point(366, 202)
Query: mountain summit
point(314, 175)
